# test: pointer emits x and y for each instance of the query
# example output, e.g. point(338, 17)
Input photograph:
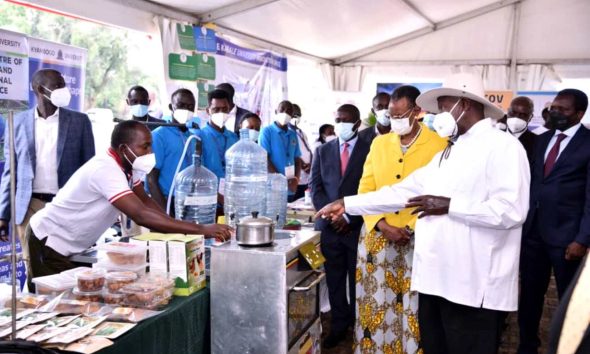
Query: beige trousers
point(34, 206)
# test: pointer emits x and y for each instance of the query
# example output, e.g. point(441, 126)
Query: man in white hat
point(471, 201)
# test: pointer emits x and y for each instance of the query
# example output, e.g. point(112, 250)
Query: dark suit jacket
point(327, 184)
point(559, 317)
point(75, 146)
point(368, 134)
point(561, 201)
point(528, 139)
point(240, 113)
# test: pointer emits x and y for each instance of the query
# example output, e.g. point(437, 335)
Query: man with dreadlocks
point(471, 201)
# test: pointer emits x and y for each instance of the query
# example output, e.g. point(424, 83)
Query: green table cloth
point(182, 328)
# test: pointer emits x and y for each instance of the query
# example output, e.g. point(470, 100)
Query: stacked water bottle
point(248, 187)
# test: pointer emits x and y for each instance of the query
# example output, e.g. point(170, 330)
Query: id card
point(290, 172)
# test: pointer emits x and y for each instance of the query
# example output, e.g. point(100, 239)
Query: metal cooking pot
point(255, 230)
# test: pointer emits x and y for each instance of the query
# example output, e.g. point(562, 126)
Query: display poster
point(259, 77)
point(501, 99)
point(14, 71)
point(68, 60)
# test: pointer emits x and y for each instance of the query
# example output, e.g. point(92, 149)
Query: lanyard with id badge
point(289, 169)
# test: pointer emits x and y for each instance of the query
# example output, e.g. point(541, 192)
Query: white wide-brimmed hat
point(464, 85)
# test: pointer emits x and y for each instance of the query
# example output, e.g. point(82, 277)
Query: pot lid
point(255, 220)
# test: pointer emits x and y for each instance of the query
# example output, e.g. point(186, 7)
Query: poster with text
point(68, 60)
point(14, 71)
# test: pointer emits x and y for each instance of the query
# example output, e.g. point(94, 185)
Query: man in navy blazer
point(336, 172)
point(51, 143)
point(556, 233)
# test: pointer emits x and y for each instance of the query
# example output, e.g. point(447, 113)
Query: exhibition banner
point(14, 71)
point(68, 60)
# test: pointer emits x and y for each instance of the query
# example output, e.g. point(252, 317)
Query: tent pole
point(13, 233)
point(514, 47)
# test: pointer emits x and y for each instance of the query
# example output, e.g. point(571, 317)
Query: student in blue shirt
point(215, 137)
point(167, 145)
point(282, 146)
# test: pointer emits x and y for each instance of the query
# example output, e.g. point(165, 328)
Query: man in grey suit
point(51, 143)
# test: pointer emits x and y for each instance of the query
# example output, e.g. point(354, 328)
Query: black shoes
point(333, 339)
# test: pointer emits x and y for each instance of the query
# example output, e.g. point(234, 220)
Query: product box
point(186, 260)
point(157, 250)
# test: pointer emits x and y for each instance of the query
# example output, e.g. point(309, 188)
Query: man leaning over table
point(107, 185)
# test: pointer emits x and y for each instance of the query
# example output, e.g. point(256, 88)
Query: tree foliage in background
point(107, 74)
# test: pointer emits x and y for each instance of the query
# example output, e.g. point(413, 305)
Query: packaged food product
point(140, 295)
point(122, 253)
point(92, 296)
point(91, 280)
point(164, 281)
point(112, 267)
point(54, 284)
point(113, 298)
point(117, 280)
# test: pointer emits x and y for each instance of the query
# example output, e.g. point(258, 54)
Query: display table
point(182, 328)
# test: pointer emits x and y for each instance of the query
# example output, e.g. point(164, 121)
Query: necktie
point(577, 315)
point(552, 156)
point(344, 155)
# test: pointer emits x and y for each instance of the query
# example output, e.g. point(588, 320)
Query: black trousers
point(44, 259)
point(450, 328)
point(536, 262)
point(340, 268)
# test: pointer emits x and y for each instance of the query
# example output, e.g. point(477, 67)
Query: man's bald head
point(48, 78)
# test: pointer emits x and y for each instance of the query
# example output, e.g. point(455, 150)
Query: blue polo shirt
point(281, 145)
point(215, 144)
point(167, 145)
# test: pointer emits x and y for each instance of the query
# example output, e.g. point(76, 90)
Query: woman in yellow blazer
point(387, 320)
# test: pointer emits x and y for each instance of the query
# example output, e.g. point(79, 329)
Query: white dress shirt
point(306, 154)
point(569, 134)
point(539, 130)
point(469, 256)
point(46, 130)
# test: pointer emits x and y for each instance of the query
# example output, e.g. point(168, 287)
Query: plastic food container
point(113, 298)
point(141, 295)
point(54, 284)
point(112, 267)
point(122, 253)
point(90, 280)
point(116, 280)
point(92, 296)
point(163, 280)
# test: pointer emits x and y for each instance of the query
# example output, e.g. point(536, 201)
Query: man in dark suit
point(382, 125)
point(520, 114)
point(51, 143)
point(236, 114)
point(556, 233)
point(336, 172)
point(570, 328)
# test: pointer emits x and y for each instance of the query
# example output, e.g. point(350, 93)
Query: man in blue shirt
point(282, 146)
point(215, 137)
point(167, 145)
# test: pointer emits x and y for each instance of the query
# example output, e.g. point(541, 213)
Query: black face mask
point(559, 121)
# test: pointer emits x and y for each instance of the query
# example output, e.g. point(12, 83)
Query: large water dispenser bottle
point(195, 192)
point(276, 198)
point(245, 179)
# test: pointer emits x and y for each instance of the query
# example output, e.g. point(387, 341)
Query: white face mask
point(282, 118)
point(142, 165)
point(219, 119)
point(345, 131)
point(500, 126)
point(516, 125)
point(59, 97)
point(253, 135)
point(445, 124)
point(382, 117)
point(330, 138)
point(295, 121)
point(139, 110)
point(401, 126)
point(182, 115)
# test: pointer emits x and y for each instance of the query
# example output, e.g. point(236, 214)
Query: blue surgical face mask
point(345, 131)
point(139, 110)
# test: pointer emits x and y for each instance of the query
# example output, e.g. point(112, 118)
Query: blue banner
point(256, 57)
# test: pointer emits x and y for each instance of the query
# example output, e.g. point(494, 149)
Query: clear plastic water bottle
point(245, 179)
point(195, 193)
point(276, 198)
